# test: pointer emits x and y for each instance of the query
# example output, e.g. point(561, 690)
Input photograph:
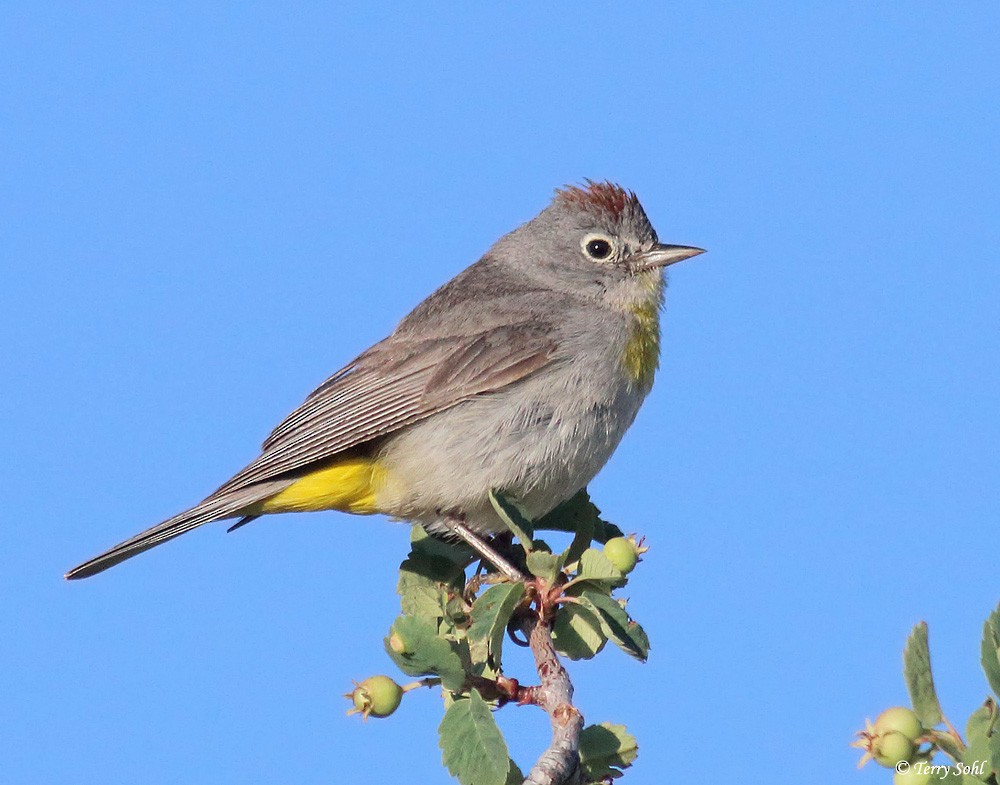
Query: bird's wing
point(394, 384)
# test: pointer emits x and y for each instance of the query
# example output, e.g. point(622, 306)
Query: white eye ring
point(598, 247)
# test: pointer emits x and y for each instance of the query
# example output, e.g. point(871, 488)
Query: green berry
point(376, 696)
point(891, 748)
point(901, 720)
point(622, 554)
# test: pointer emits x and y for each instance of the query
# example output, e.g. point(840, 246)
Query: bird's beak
point(661, 255)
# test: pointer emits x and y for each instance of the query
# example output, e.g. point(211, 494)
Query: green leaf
point(978, 754)
point(434, 567)
point(990, 651)
point(953, 775)
point(994, 750)
point(577, 633)
point(514, 774)
point(456, 618)
point(981, 721)
point(595, 571)
point(423, 543)
point(490, 614)
point(472, 746)
point(639, 637)
point(616, 624)
point(606, 750)
point(423, 585)
point(513, 518)
point(919, 681)
point(540, 545)
point(574, 512)
point(977, 757)
point(546, 566)
point(966, 774)
point(581, 539)
point(424, 652)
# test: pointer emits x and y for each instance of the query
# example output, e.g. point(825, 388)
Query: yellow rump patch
point(348, 486)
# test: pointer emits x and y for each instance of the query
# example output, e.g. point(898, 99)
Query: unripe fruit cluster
point(892, 740)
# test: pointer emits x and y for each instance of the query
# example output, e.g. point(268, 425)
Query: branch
point(457, 527)
point(559, 764)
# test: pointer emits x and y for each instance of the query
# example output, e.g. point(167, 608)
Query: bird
point(520, 375)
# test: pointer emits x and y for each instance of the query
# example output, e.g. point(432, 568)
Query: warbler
point(519, 375)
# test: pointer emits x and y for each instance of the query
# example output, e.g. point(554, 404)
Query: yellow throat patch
point(349, 485)
point(642, 352)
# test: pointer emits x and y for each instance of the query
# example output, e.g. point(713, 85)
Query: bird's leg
point(457, 527)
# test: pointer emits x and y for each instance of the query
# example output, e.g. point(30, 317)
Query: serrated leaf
point(606, 750)
point(490, 614)
point(919, 680)
point(990, 651)
point(546, 566)
point(567, 517)
point(425, 652)
point(423, 585)
point(616, 624)
point(421, 597)
point(513, 518)
point(472, 746)
point(577, 633)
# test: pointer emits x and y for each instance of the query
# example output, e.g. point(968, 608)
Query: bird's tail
point(215, 508)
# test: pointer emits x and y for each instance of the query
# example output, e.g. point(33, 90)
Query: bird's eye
point(597, 247)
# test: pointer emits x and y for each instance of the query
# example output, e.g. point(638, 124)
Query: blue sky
point(206, 210)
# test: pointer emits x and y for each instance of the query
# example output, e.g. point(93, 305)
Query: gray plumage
point(511, 376)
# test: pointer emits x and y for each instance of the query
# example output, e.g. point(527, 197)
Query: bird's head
point(594, 239)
